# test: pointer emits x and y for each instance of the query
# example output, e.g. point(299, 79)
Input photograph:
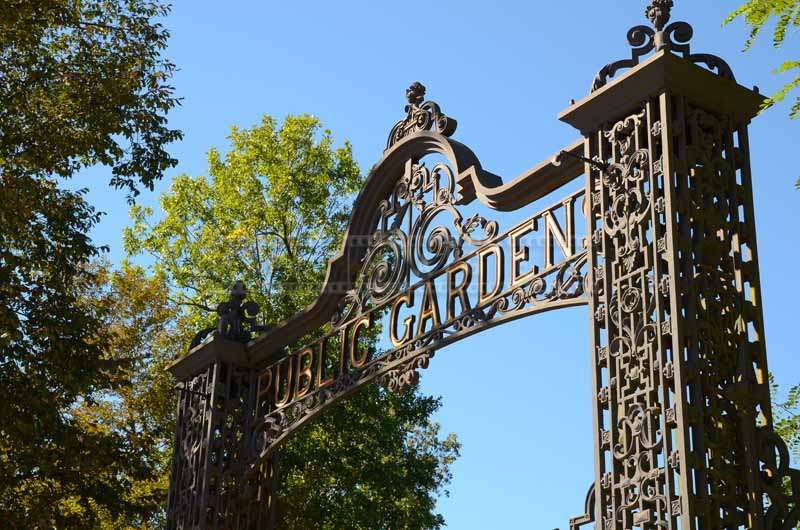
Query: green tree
point(271, 212)
point(145, 336)
point(787, 417)
point(83, 82)
point(786, 13)
point(51, 340)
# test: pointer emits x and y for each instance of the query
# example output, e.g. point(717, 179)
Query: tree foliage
point(759, 13)
point(271, 212)
point(787, 417)
point(51, 342)
point(83, 82)
point(145, 337)
point(376, 461)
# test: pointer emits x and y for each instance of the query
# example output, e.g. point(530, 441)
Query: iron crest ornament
point(659, 13)
point(236, 319)
point(674, 38)
point(421, 115)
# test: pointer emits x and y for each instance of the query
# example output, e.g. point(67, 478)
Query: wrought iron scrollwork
point(678, 395)
point(208, 488)
point(642, 42)
point(674, 37)
point(568, 282)
point(421, 115)
point(631, 203)
point(421, 197)
point(636, 487)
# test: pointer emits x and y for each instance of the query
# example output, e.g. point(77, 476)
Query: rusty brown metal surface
point(214, 484)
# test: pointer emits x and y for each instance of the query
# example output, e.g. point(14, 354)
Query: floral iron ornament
point(658, 13)
point(421, 115)
point(236, 319)
point(674, 37)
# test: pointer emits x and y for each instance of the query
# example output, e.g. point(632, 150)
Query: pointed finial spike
point(659, 13)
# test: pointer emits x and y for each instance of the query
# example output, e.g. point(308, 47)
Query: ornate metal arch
point(660, 244)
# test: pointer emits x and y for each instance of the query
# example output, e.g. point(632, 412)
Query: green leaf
point(758, 13)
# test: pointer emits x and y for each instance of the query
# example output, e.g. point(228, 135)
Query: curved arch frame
point(552, 286)
point(472, 182)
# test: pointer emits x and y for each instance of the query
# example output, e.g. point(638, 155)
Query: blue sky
point(518, 396)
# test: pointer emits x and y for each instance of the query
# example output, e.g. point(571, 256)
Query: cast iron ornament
point(236, 320)
point(421, 115)
point(674, 38)
point(658, 13)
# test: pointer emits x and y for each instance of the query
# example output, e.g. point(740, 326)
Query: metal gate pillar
point(213, 484)
point(683, 431)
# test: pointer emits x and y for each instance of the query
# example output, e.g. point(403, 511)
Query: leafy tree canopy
point(83, 82)
point(145, 337)
point(51, 355)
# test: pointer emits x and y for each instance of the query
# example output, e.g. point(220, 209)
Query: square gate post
point(212, 486)
point(683, 433)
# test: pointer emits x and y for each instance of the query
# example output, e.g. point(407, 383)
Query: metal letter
point(458, 292)
point(520, 253)
point(429, 309)
point(485, 252)
point(408, 322)
point(303, 372)
point(363, 355)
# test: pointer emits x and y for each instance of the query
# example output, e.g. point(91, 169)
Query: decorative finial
point(421, 115)
point(236, 319)
point(663, 36)
point(415, 94)
point(658, 13)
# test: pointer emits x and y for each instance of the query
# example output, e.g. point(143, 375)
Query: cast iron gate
point(660, 245)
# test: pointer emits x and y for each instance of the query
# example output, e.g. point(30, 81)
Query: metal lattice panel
point(634, 370)
point(682, 405)
point(213, 485)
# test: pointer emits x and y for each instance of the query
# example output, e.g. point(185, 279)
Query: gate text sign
point(421, 289)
